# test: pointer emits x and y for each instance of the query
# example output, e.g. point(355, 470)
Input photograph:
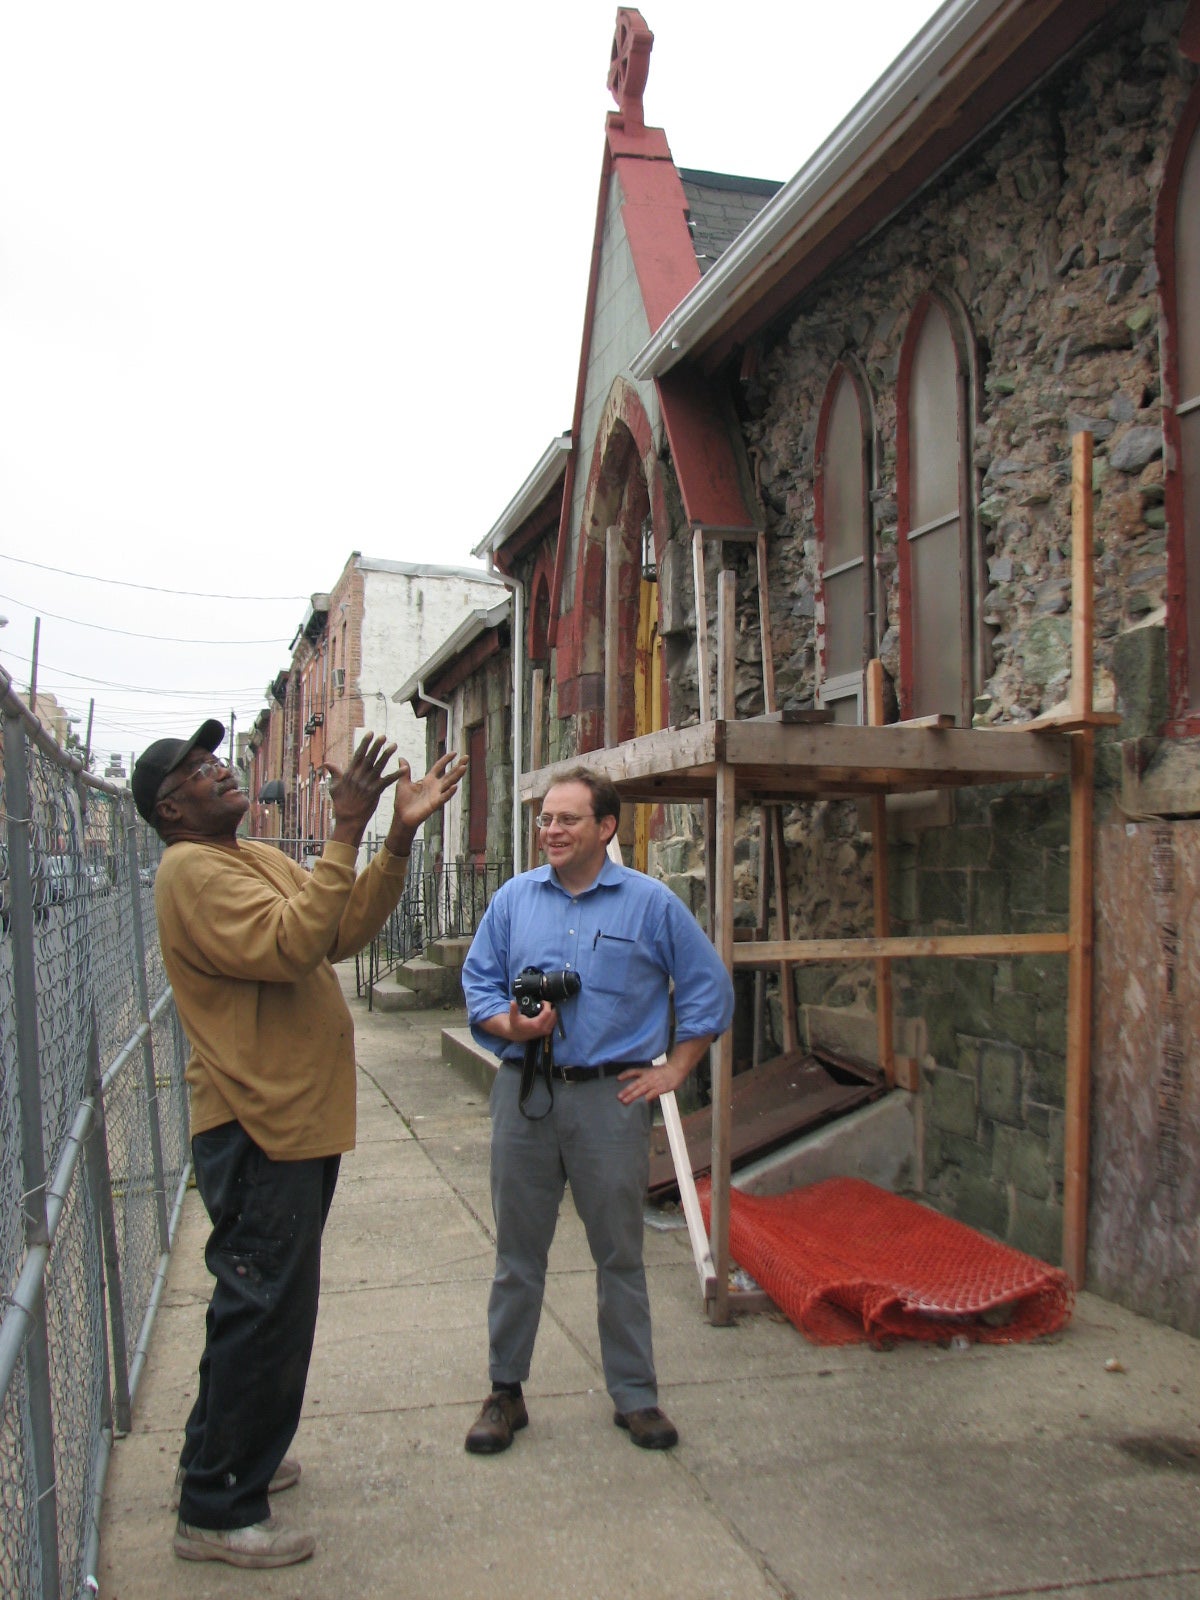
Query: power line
point(125, 633)
point(194, 594)
point(137, 688)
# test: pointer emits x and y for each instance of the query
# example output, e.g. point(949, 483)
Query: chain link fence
point(94, 1154)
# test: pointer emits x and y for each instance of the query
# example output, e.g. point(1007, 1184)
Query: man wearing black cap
point(248, 937)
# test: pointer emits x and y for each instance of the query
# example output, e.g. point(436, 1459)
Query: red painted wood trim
point(589, 314)
point(702, 452)
point(654, 215)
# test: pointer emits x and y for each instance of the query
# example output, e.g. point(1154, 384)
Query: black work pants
point(265, 1253)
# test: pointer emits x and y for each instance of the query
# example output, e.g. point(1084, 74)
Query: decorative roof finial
point(632, 43)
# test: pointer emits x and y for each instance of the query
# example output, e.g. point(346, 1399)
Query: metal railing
point(441, 900)
point(93, 1146)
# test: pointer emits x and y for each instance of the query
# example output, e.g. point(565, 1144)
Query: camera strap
point(539, 1060)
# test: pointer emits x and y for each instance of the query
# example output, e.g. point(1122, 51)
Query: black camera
point(531, 986)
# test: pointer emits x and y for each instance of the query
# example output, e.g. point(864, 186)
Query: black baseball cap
point(163, 756)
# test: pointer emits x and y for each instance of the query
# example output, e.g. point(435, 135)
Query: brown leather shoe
point(495, 1425)
point(650, 1428)
point(263, 1544)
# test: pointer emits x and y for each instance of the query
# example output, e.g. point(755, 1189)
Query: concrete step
point(477, 1065)
point(419, 985)
point(391, 996)
point(448, 952)
point(434, 984)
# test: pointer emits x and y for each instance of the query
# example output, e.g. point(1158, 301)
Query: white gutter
point(528, 497)
point(898, 99)
point(442, 705)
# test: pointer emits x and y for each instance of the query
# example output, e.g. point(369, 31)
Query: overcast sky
point(282, 281)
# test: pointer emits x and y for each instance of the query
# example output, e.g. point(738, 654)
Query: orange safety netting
point(847, 1261)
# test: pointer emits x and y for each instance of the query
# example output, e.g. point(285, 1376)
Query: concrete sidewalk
point(921, 1474)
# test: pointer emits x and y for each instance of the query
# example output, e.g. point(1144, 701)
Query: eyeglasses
point(565, 819)
point(204, 770)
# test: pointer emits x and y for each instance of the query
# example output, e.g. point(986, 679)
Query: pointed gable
point(646, 257)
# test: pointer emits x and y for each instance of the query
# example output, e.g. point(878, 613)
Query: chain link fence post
point(19, 810)
point(143, 996)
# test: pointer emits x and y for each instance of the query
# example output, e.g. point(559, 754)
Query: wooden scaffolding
point(780, 758)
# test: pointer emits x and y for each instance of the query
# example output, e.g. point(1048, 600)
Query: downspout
point(442, 705)
point(516, 642)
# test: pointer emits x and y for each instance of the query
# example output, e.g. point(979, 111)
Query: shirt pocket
point(611, 964)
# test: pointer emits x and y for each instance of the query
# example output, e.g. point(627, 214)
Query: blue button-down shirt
point(626, 937)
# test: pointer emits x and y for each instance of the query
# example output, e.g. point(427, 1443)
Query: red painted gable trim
point(654, 213)
point(589, 314)
point(702, 452)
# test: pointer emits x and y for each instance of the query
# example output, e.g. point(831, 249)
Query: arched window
point(941, 662)
point(1179, 222)
point(843, 511)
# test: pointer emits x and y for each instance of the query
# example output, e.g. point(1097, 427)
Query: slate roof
point(719, 207)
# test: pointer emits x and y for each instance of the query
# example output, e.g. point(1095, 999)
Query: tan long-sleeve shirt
point(248, 937)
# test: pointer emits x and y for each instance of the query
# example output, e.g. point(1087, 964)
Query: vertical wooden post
point(720, 921)
point(1082, 583)
point(537, 754)
point(764, 626)
point(787, 986)
point(879, 848)
point(698, 587)
point(726, 658)
point(720, 912)
point(1076, 1142)
point(762, 912)
point(612, 634)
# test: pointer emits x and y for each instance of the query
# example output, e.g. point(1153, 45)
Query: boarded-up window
point(1187, 280)
point(477, 816)
point(937, 548)
point(844, 518)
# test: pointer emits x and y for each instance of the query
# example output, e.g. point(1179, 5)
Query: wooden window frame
point(832, 689)
point(975, 638)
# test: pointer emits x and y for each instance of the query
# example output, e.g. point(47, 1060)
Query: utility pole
point(37, 628)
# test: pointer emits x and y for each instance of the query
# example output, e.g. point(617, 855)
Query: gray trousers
point(603, 1149)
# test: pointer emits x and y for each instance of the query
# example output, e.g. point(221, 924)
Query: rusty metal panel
point(1144, 1215)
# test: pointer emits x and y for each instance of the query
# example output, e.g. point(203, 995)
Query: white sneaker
point(262, 1544)
point(287, 1476)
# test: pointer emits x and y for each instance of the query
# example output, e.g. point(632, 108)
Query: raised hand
point(416, 800)
point(354, 794)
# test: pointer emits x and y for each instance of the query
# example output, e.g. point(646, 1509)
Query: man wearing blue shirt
point(625, 937)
